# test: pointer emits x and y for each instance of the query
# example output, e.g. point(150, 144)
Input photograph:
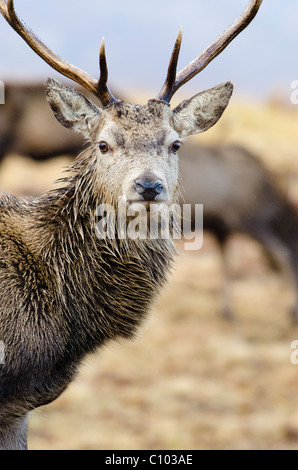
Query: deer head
point(135, 146)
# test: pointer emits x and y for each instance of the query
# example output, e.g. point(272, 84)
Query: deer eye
point(103, 147)
point(175, 146)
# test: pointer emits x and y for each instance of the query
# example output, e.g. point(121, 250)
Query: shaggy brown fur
point(63, 291)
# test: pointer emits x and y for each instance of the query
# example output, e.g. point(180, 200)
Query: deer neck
point(113, 281)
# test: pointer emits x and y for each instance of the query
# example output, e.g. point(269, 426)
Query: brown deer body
point(64, 291)
point(24, 107)
point(240, 195)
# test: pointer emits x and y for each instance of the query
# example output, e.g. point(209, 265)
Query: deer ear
point(202, 111)
point(72, 109)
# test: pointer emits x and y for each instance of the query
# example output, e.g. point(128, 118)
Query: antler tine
point(197, 65)
point(68, 70)
point(165, 93)
point(103, 91)
point(3, 9)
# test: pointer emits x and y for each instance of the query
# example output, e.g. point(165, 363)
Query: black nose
point(148, 189)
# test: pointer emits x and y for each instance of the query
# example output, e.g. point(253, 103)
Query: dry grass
point(192, 380)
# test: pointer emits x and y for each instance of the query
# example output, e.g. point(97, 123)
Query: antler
point(174, 82)
point(98, 88)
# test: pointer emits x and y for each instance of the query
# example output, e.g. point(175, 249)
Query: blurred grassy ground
point(192, 380)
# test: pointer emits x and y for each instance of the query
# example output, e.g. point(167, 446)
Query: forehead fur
point(137, 127)
point(130, 114)
point(135, 118)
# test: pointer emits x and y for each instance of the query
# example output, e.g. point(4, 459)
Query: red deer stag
point(65, 291)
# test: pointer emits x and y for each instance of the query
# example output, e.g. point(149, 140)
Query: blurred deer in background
point(27, 127)
point(64, 291)
point(240, 195)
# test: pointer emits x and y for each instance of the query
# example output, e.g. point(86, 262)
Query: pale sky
point(139, 36)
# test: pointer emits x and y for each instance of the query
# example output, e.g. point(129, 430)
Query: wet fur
point(65, 292)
